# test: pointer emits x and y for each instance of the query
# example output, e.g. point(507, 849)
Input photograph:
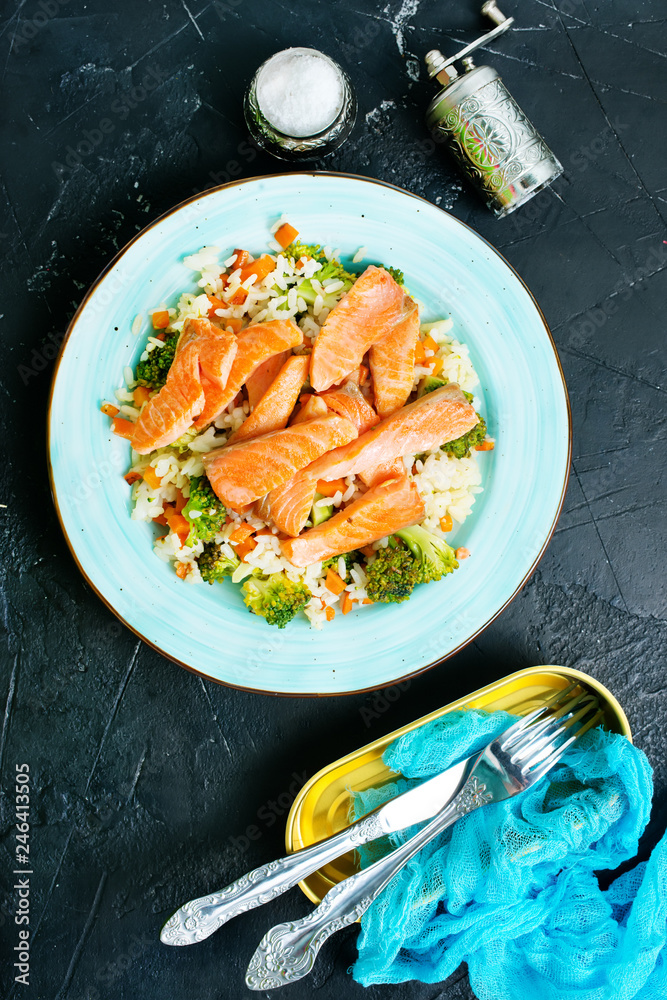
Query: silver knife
point(199, 918)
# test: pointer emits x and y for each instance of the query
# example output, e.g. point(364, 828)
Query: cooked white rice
point(447, 485)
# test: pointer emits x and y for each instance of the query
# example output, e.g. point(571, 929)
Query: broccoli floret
point(214, 564)
point(330, 270)
point(154, 370)
point(350, 559)
point(276, 599)
point(461, 447)
point(393, 575)
point(183, 442)
point(396, 274)
point(433, 555)
point(204, 511)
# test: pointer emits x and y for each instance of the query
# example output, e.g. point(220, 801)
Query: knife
point(199, 918)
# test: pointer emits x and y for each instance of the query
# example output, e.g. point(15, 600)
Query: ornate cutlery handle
point(288, 951)
point(199, 918)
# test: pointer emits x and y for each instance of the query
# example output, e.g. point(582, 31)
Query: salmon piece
point(276, 405)
point(260, 380)
point(255, 344)
point(386, 508)
point(292, 503)
point(362, 317)
point(313, 407)
point(349, 402)
point(392, 361)
point(217, 348)
point(242, 473)
point(387, 470)
point(169, 414)
point(359, 376)
point(439, 416)
point(262, 509)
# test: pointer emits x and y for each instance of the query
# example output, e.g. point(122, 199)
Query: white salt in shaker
point(300, 105)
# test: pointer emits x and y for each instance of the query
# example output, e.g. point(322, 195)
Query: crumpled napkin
point(511, 888)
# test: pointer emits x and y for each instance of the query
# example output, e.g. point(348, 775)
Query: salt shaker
point(490, 137)
point(300, 104)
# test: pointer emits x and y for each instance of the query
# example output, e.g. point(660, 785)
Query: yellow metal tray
point(323, 805)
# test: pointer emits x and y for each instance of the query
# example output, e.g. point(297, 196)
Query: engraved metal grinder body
point(495, 145)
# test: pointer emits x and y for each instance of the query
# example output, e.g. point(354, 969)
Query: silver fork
point(511, 763)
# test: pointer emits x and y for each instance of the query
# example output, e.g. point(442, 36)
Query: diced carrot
point(160, 336)
point(160, 519)
point(486, 445)
point(123, 428)
point(234, 324)
point(152, 478)
point(419, 353)
point(245, 548)
point(239, 297)
point(367, 600)
point(462, 553)
point(346, 603)
point(333, 582)
point(215, 304)
point(368, 550)
point(261, 267)
point(330, 614)
point(109, 409)
point(132, 477)
point(241, 532)
point(160, 319)
point(435, 364)
point(224, 278)
point(180, 525)
point(430, 344)
point(182, 570)
point(329, 489)
point(141, 395)
point(242, 258)
point(446, 523)
point(180, 502)
point(286, 235)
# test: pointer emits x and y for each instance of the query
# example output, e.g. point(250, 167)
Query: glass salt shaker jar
point(300, 105)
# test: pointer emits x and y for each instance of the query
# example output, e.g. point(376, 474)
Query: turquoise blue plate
point(453, 272)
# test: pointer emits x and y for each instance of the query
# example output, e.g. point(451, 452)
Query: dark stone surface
point(146, 777)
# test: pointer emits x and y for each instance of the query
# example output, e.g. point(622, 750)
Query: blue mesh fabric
point(511, 888)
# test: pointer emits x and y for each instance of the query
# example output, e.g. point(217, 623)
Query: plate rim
point(61, 353)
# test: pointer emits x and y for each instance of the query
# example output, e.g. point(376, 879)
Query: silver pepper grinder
point(489, 136)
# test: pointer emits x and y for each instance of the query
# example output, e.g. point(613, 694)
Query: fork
point(511, 763)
